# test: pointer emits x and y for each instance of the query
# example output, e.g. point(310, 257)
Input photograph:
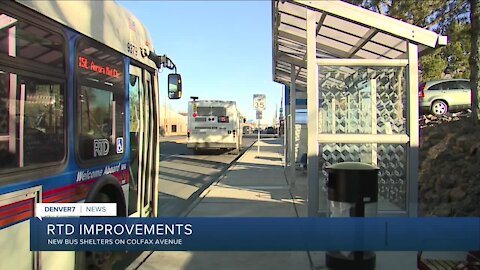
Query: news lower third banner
point(254, 234)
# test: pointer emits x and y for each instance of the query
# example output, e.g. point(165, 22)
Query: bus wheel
point(96, 260)
point(101, 260)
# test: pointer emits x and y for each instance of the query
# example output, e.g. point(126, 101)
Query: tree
point(441, 16)
point(431, 14)
point(474, 57)
point(458, 50)
point(433, 65)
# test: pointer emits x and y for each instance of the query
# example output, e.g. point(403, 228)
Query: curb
point(214, 183)
point(145, 255)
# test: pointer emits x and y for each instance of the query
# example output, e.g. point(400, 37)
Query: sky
point(222, 49)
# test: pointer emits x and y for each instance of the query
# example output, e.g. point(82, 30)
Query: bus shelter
point(359, 73)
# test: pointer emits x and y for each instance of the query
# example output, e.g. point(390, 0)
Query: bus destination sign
point(87, 64)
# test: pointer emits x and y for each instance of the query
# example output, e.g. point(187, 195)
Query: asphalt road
point(184, 176)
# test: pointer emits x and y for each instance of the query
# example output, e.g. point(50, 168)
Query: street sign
point(259, 115)
point(259, 101)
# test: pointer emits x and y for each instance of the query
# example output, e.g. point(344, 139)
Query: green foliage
point(433, 66)
point(432, 14)
point(458, 50)
point(448, 17)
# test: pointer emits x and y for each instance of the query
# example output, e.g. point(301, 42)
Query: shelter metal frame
point(313, 35)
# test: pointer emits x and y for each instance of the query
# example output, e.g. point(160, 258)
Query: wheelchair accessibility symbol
point(119, 145)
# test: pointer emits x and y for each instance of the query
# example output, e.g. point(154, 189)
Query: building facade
point(172, 123)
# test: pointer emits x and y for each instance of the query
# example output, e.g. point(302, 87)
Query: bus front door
point(143, 169)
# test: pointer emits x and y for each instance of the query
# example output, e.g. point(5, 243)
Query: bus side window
point(133, 146)
point(32, 125)
point(134, 96)
point(35, 133)
point(101, 102)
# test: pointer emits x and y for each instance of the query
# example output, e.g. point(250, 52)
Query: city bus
point(214, 124)
point(79, 119)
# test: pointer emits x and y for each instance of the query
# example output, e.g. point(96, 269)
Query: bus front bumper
point(211, 145)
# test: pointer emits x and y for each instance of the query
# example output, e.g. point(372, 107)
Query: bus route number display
point(90, 64)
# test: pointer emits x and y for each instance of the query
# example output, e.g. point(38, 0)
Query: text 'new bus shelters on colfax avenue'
point(358, 71)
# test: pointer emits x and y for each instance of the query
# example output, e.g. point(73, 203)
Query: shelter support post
point(373, 120)
point(312, 113)
point(412, 131)
point(286, 129)
point(293, 107)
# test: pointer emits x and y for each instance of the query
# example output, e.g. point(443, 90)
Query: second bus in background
point(214, 124)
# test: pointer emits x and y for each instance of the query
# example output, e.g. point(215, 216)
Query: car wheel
point(439, 107)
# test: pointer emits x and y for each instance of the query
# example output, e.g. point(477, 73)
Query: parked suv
point(442, 96)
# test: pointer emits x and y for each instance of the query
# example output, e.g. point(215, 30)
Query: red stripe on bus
point(16, 218)
point(14, 205)
point(73, 191)
point(65, 188)
point(73, 199)
point(58, 197)
point(122, 177)
point(13, 211)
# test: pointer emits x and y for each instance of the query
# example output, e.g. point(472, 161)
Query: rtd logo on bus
point(101, 147)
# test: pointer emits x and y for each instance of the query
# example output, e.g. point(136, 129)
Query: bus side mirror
point(244, 120)
point(174, 86)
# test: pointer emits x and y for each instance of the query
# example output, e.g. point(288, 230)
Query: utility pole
point(275, 117)
point(259, 101)
point(280, 119)
point(258, 138)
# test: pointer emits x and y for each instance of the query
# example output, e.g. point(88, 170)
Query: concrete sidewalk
point(257, 186)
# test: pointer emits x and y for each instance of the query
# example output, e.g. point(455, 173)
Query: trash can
point(352, 189)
